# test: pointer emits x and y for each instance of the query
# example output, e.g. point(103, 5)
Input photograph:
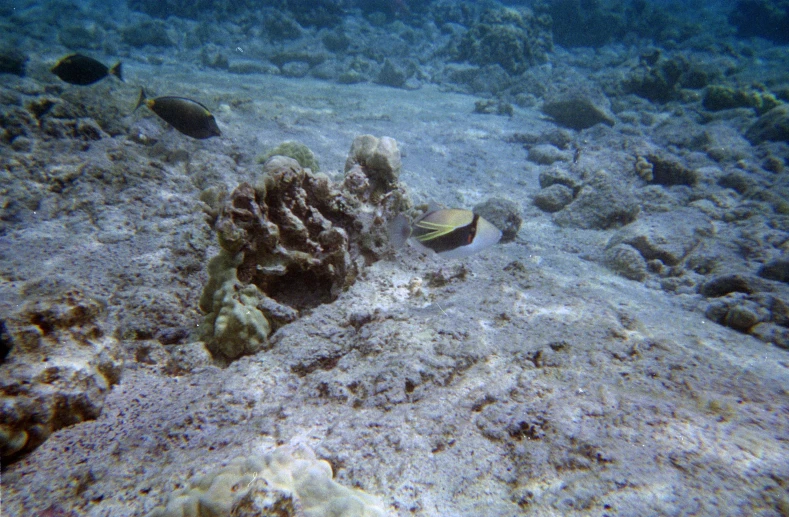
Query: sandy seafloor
point(532, 380)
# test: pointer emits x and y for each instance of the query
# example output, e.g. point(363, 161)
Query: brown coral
point(299, 239)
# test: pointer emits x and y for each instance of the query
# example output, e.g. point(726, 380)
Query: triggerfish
point(187, 116)
point(84, 70)
point(450, 232)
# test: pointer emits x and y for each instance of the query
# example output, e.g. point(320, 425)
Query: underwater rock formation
point(600, 203)
point(772, 126)
point(661, 80)
point(584, 23)
point(296, 240)
point(287, 482)
point(579, 109)
point(515, 39)
point(60, 364)
point(719, 97)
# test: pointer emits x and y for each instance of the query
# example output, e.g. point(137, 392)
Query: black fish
point(84, 70)
point(187, 116)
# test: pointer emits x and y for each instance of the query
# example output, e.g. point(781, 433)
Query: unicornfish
point(84, 70)
point(450, 232)
point(187, 116)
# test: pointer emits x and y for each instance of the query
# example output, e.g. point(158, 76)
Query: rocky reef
point(514, 39)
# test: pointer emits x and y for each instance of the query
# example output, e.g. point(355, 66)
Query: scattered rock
point(493, 106)
point(602, 203)
point(725, 97)
point(12, 61)
point(664, 80)
point(667, 237)
point(777, 269)
point(553, 198)
point(721, 285)
point(772, 126)
point(578, 111)
point(737, 311)
point(546, 154)
point(668, 171)
point(391, 75)
point(490, 79)
point(79, 37)
point(149, 32)
point(561, 176)
point(295, 69)
point(515, 39)
point(772, 333)
point(503, 214)
point(737, 181)
point(626, 261)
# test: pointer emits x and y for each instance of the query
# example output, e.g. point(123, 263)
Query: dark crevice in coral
point(299, 289)
point(6, 344)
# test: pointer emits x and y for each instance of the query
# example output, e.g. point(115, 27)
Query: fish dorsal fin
point(436, 230)
point(442, 222)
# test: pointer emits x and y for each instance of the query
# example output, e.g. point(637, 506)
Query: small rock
point(601, 204)
point(667, 236)
point(578, 111)
point(546, 154)
point(772, 333)
point(743, 317)
point(562, 177)
point(503, 214)
point(777, 269)
point(626, 261)
point(295, 69)
point(149, 32)
point(772, 126)
point(12, 61)
point(667, 171)
point(553, 198)
point(644, 169)
point(391, 75)
point(721, 285)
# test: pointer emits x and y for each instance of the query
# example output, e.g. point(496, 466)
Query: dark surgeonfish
point(187, 116)
point(84, 70)
point(450, 232)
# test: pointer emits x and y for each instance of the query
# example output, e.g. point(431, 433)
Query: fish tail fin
point(116, 71)
point(141, 100)
point(399, 231)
